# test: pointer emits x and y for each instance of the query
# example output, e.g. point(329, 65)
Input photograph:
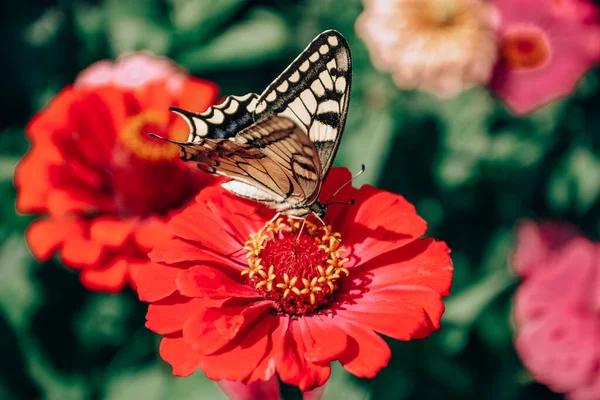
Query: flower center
point(146, 175)
point(134, 136)
point(295, 266)
point(525, 48)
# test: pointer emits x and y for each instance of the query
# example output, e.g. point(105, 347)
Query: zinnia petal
point(379, 222)
point(366, 352)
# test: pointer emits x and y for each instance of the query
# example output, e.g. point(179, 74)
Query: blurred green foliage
point(470, 167)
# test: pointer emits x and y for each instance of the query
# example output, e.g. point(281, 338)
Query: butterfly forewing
point(277, 147)
point(314, 92)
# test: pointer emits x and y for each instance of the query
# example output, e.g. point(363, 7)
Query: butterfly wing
point(272, 161)
point(314, 92)
point(221, 121)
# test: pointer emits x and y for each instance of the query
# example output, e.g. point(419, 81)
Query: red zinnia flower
point(556, 308)
point(105, 188)
point(244, 300)
point(546, 47)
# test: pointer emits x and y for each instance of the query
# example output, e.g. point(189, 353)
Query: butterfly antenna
point(154, 135)
point(345, 203)
point(359, 173)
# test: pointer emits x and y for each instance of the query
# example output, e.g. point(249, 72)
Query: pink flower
point(268, 390)
point(131, 71)
point(546, 47)
point(556, 308)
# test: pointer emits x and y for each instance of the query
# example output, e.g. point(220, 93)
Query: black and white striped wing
point(221, 121)
point(314, 92)
point(272, 161)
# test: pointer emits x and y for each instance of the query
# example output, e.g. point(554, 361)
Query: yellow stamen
point(137, 142)
point(313, 287)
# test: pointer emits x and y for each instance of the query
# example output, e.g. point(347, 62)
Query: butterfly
point(277, 147)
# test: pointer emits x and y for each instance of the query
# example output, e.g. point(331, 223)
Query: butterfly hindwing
point(220, 121)
point(314, 92)
point(272, 161)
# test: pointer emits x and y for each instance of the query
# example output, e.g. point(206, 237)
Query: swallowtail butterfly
point(278, 146)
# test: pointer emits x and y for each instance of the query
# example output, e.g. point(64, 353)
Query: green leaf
point(18, 294)
point(201, 17)
point(148, 383)
point(367, 140)
point(462, 309)
point(341, 385)
point(263, 36)
point(465, 138)
point(7, 167)
point(45, 29)
point(130, 33)
point(576, 181)
point(193, 387)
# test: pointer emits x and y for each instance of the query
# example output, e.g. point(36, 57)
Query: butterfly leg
point(320, 219)
point(301, 229)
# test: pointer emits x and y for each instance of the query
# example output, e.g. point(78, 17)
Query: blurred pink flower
point(556, 308)
point(546, 47)
point(268, 390)
point(443, 46)
point(132, 70)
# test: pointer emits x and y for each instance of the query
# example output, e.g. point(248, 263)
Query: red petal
point(421, 263)
point(111, 277)
point(335, 179)
point(78, 200)
point(268, 365)
point(197, 95)
point(323, 340)
point(289, 360)
point(196, 223)
point(314, 376)
point(155, 281)
point(56, 115)
point(401, 312)
point(366, 353)
point(238, 360)
point(202, 281)
point(151, 232)
point(170, 314)
point(182, 357)
point(78, 251)
point(379, 222)
point(44, 236)
point(179, 251)
point(215, 207)
point(111, 231)
point(212, 329)
point(100, 113)
point(293, 369)
point(32, 182)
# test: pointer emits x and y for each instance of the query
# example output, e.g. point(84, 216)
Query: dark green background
point(471, 169)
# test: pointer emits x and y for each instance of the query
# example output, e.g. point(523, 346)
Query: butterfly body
point(278, 146)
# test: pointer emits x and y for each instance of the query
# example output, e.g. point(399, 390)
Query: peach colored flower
point(556, 308)
point(546, 47)
point(443, 46)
